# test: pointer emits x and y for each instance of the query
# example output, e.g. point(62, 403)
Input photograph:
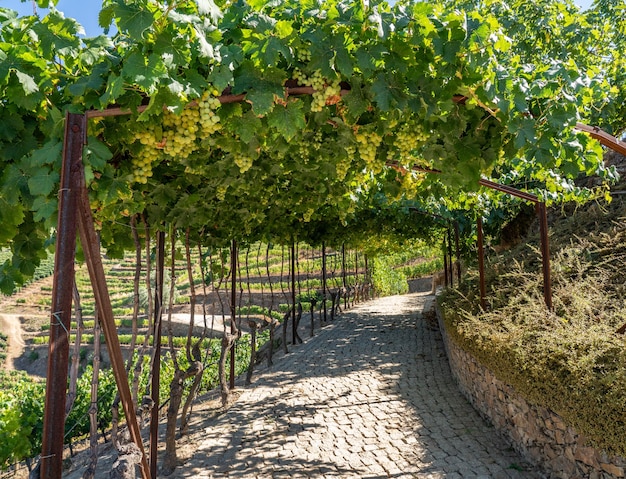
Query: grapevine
point(326, 92)
point(148, 155)
point(368, 143)
point(409, 137)
point(209, 119)
point(381, 72)
point(179, 136)
point(176, 137)
point(244, 162)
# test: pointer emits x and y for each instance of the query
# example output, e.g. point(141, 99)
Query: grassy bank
point(571, 360)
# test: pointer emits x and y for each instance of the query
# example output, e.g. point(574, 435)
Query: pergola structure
point(75, 215)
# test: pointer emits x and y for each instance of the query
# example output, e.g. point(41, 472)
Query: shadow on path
point(371, 396)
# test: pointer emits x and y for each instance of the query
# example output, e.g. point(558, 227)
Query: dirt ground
point(11, 325)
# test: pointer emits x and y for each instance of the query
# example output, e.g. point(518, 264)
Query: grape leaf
point(145, 72)
point(27, 82)
point(288, 119)
point(96, 153)
point(132, 18)
point(42, 181)
point(247, 126)
point(48, 154)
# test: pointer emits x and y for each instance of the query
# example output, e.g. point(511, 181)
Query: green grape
point(209, 119)
point(342, 168)
point(243, 162)
point(326, 92)
point(149, 154)
point(306, 217)
point(303, 55)
point(221, 192)
point(409, 138)
point(180, 132)
point(368, 143)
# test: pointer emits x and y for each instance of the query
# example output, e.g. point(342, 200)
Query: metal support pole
point(458, 252)
point(233, 310)
point(445, 263)
point(343, 265)
point(451, 270)
point(481, 262)
point(91, 249)
point(344, 274)
point(293, 293)
point(542, 213)
point(61, 308)
point(367, 274)
point(324, 278)
point(156, 367)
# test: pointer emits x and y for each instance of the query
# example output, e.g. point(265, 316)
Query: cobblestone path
point(371, 396)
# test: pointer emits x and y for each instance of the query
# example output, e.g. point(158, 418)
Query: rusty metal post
point(445, 263)
point(294, 334)
point(344, 275)
point(324, 279)
point(542, 213)
point(481, 262)
point(91, 249)
point(61, 308)
point(367, 275)
point(458, 252)
point(451, 270)
point(343, 265)
point(156, 367)
point(233, 310)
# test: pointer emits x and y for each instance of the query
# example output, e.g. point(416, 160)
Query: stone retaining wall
point(538, 434)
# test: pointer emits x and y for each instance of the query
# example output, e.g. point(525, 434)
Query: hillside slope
point(572, 359)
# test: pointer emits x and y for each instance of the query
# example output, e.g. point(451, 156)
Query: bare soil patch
point(11, 325)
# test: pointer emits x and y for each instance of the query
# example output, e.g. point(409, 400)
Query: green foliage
point(297, 164)
point(21, 410)
point(386, 279)
point(422, 269)
point(4, 346)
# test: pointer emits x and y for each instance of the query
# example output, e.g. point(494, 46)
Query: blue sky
point(86, 11)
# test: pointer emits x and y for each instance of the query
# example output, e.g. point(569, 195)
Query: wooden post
point(62, 289)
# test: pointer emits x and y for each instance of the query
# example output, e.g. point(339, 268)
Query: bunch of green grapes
point(303, 55)
point(142, 166)
point(308, 214)
point(409, 137)
point(326, 92)
point(209, 119)
point(221, 192)
point(368, 143)
point(342, 167)
point(179, 132)
point(244, 162)
point(150, 153)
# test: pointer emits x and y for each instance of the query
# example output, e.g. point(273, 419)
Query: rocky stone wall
point(538, 434)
